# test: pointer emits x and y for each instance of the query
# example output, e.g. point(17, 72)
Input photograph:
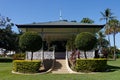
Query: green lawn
point(113, 74)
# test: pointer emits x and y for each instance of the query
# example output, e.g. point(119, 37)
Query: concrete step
point(60, 67)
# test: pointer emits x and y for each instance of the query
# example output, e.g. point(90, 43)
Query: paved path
point(60, 67)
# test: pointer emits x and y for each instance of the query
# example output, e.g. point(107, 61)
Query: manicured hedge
point(91, 65)
point(19, 56)
point(26, 66)
point(3, 59)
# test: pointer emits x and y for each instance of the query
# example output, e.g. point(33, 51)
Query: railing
point(89, 54)
point(39, 55)
point(67, 62)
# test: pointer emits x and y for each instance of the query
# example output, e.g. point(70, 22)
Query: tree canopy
point(85, 41)
point(30, 41)
point(8, 38)
point(87, 20)
point(102, 42)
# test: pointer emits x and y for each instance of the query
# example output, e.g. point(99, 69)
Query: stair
point(60, 67)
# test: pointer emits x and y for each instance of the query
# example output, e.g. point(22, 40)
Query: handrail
point(67, 64)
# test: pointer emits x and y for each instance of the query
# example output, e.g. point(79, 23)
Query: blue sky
point(29, 11)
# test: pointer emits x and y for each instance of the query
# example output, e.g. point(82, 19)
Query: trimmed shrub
point(30, 41)
point(20, 56)
point(85, 41)
point(3, 59)
point(26, 66)
point(91, 65)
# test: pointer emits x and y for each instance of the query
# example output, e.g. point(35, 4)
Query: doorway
point(60, 49)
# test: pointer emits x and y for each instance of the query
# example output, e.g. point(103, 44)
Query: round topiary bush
point(91, 65)
point(85, 41)
point(30, 41)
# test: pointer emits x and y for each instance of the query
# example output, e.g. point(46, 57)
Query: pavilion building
point(58, 32)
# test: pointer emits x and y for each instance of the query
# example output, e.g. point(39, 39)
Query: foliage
point(118, 51)
point(111, 52)
point(114, 26)
point(87, 20)
point(5, 22)
point(8, 39)
point(114, 29)
point(19, 56)
point(107, 15)
point(3, 59)
point(70, 45)
point(30, 41)
point(23, 66)
point(91, 65)
point(102, 42)
point(73, 21)
point(85, 41)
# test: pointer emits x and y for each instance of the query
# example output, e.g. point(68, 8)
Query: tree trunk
point(85, 55)
point(114, 57)
point(108, 32)
point(31, 55)
point(109, 41)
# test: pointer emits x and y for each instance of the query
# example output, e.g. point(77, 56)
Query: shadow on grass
point(112, 68)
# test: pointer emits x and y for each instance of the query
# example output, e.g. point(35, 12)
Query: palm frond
point(102, 14)
point(102, 19)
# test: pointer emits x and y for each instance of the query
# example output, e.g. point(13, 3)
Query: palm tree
point(114, 29)
point(102, 42)
point(107, 15)
point(87, 20)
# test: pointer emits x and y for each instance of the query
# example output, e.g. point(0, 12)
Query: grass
point(113, 74)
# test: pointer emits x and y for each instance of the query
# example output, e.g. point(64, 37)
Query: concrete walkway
point(60, 67)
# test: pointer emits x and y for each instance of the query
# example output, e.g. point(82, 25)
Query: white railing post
point(53, 52)
point(41, 55)
point(66, 54)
